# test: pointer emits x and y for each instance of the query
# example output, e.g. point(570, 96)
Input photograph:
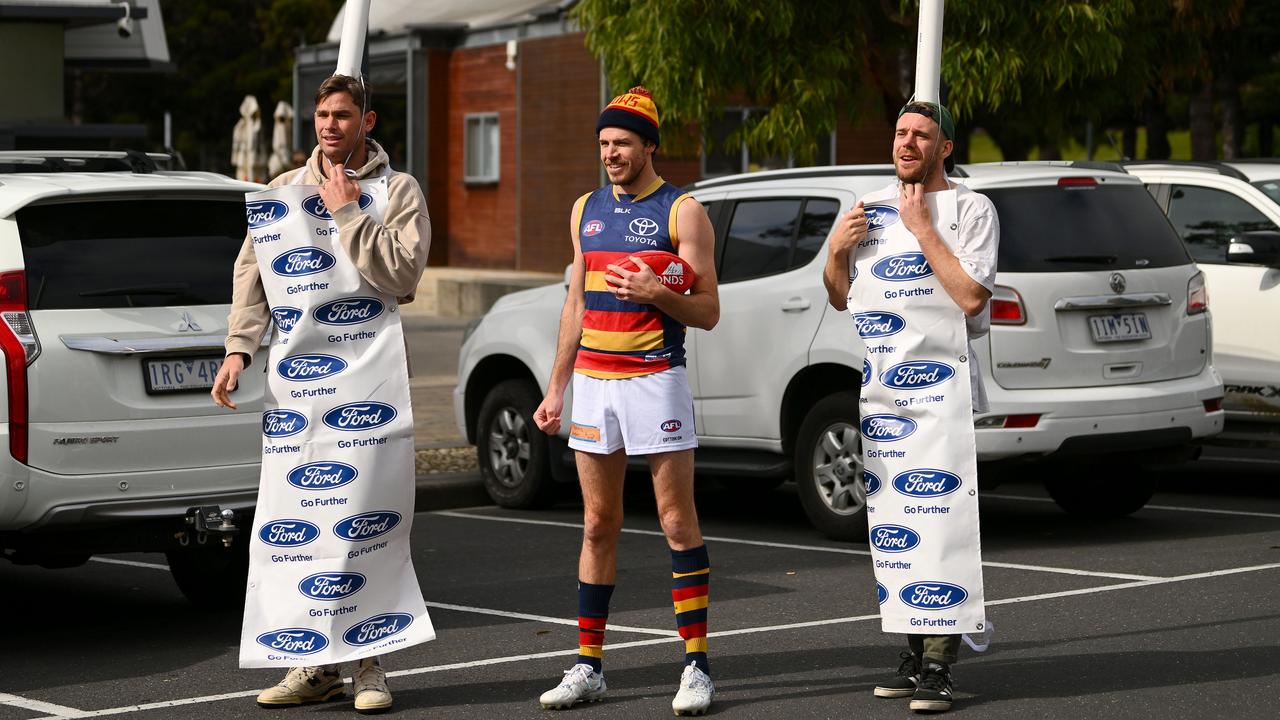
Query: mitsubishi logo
point(1117, 283)
point(188, 324)
point(644, 227)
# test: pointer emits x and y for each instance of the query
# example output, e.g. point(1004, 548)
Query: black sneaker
point(904, 683)
point(934, 692)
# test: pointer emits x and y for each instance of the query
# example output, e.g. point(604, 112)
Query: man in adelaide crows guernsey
point(621, 344)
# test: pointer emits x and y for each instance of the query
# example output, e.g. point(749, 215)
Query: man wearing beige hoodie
point(390, 256)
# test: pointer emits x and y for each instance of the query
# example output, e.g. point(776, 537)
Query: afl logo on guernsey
point(592, 228)
point(880, 217)
point(314, 206)
point(933, 595)
point(926, 483)
point(916, 375)
point(887, 428)
point(878, 324)
point(903, 267)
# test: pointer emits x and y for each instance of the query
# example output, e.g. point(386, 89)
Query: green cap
point(938, 113)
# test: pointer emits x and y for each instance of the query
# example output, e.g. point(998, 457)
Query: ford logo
point(322, 475)
point(881, 593)
point(887, 428)
point(872, 481)
point(265, 212)
point(331, 586)
point(671, 426)
point(294, 641)
point(933, 595)
point(357, 416)
point(894, 538)
point(301, 368)
point(348, 311)
point(314, 206)
point(867, 372)
point(288, 532)
point(917, 374)
point(903, 267)
point(286, 317)
point(283, 423)
point(368, 632)
point(880, 217)
point(926, 483)
point(367, 526)
point(302, 261)
point(878, 324)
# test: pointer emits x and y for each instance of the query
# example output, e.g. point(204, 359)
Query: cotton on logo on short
point(331, 586)
point(584, 432)
point(903, 267)
point(303, 368)
point(671, 426)
point(887, 428)
point(933, 595)
point(314, 206)
point(926, 483)
point(322, 475)
point(378, 627)
point(289, 532)
point(592, 228)
point(872, 481)
point(367, 526)
point(880, 217)
point(643, 227)
point(283, 423)
point(294, 641)
point(265, 212)
point(354, 417)
point(894, 538)
point(286, 317)
point(302, 261)
point(878, 324)
point(916, 375)
point(348, 311)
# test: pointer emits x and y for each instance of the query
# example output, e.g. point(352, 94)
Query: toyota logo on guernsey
point(881, 593)
point(322, 475)
point(903, 267)
point(283, 423)
point(926, 483)
point(294, 641)
point(348, 311)
point(644, 227)
point(933, 595)
point(302, 261)
point(593, 227)
point(289, 532)
point(303, 368)
point(872, 481)
point(265, 212)
point(331, 586)
point(880, 217)
point(887, 428)
point(367, 526)
point(357, 416)
point(286, 317)
point(878, 324)
point(894, 538)
point(916, 375)
point(368, 632)
point(314, 206)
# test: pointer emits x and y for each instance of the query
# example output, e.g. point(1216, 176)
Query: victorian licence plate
point(167, 375)
point(1119, 327)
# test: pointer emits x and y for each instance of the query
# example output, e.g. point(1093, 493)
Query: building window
point(724, 160)
point(480, 142)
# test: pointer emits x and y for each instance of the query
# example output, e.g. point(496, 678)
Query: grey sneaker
point(581, 683)
point(303, 685)
point(372, 694)
point(695, 693)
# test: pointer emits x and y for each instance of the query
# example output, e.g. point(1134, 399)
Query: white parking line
point(1170, 508)
point(55, 711)
point(130, 563)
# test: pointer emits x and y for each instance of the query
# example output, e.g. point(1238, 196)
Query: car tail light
point(1008, 421)
point(1214, 405)
point(1077, 183)
point(20, 346)
point(1006, 307)
point(1197, 295)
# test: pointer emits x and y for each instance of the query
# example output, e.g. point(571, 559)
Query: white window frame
point(489, 166)
point(744, 155)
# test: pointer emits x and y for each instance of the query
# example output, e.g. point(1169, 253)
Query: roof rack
point(52, 161)
point(1213, 167)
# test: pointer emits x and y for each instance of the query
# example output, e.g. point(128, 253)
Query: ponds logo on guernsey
point(887, 428)
point(265, 212)
point(286, 317)
point(283, 423)
point(878, 324)
point(378, 627)
point(348, 311)
point(331, 586)
point(294, 641)
point(304, 368)
point(366, 526)
point(359, 416)
point(894, 538)
point(917, 374)
point(933, 595)
point(288, 532)
point(926, 483)
point(322, 475)
point(314, 206)
point(903, 267)
point(302, 261)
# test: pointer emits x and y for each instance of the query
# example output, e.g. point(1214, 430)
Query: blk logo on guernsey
point(933, 595)
point(294, 641)
point(378, 627)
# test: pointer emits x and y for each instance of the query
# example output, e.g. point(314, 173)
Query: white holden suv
point(115, 282)
point(1098, 362)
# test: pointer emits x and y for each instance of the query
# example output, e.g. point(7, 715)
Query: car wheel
point(212, 577)
point(828, 468)
point(512, 451)
point(1084, 491)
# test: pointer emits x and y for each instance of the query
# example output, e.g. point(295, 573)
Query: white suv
point(115, 281)
point(1099, 350)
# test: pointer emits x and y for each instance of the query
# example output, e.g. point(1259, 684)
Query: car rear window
point(1063, 229)
point(131, 253)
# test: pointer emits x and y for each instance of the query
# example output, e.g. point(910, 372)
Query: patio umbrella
point(281, 139)
point(247, 151)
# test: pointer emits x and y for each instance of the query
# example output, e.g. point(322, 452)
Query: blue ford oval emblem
point(880, 217)
point(348, 311)
point(302, 368)
point(867, 372)
point(933, 595)
point(358, 416)
point(283, 423)
point(314, 206)
point(881, 593)
point(917, 374)
point(302, 261)
point(262, 213)
point(903, 267)
point(926, 483)
point(286, 317)
point(878, 324)
point(367, 526)
point(288, 532)
point(331, 586)
point(378, 627)
point(894, 538)
point(887, 428)
point(322, 475)
point(294, 641)
point(872, 482)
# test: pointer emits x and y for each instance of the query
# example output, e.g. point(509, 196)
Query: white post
point(355, 24)
point(929, 51)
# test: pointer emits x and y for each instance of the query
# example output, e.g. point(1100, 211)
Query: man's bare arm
point(965, 292)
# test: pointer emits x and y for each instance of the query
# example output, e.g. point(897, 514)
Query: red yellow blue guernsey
point(622, 339)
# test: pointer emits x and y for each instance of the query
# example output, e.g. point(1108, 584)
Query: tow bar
point(206, 520)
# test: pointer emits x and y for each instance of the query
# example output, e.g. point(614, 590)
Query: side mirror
point(1256, 247)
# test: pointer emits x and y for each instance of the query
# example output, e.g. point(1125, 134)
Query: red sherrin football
point(671, 269)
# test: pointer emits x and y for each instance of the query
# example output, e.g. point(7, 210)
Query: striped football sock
point(593, 613)
point(690, 575)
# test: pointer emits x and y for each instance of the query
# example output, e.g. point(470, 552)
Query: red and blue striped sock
point(593, 613)
point(690, 575)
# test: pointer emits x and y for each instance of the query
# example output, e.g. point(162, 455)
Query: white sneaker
point(304, 685)
point(372, 694)
point(695, 693)
point(581, 683)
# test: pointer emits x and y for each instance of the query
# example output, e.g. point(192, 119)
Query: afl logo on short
point(322, 475)
point(354, 417)
point(366, 526)
point(294, 641)
point(872, 481)
point(265, 212)
point(288, 532)
point(887, 428)
point(303, 368)
point(916, 375)
point(283, 423)
point(348, 311)
point(368, 632)
point(331, 586)
point(894, 538)
point(926, 483)
point(286, 317)
point(933, 595)
point(867, 372)
point(878, 324)
point(880, 217)
point(881, 593)
point(903, 267)
point(302, 261)
point(592, 228)
point(643, 227)
point(314, 206)
point(671, 426)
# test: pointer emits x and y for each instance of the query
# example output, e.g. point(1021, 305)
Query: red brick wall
point(438, 154)
point(870, 141)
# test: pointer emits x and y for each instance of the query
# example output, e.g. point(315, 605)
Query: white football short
point(643, 415)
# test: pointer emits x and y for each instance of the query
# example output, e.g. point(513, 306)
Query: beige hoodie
point(390, 256)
